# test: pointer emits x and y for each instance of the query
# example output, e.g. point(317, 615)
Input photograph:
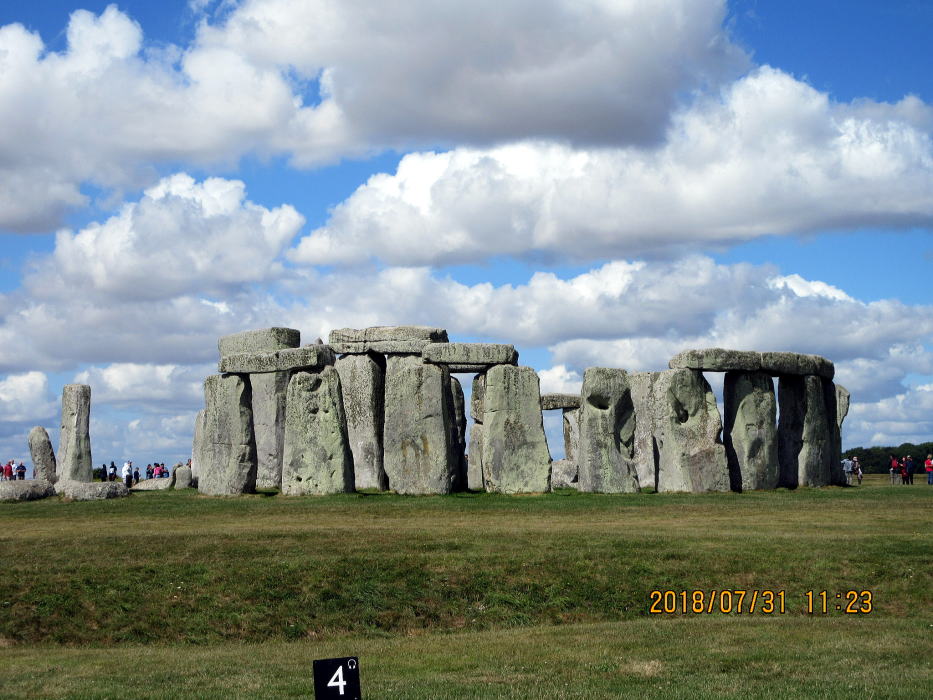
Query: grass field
point(171, 594)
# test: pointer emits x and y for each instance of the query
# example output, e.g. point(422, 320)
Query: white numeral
point(337, 680)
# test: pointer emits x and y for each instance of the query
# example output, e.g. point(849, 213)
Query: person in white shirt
point(128, 473)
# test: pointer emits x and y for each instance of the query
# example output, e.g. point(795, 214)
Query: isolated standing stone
point(419, 456)
point(200, 455)
point(516, 458)
point(804, 442)
point(42, 454)
point(475, 459)
point(691, 456)
point(181, 477)
point(751, 430)
point(74, 446)
point(317, 458)
point(458, 439)
point(607, 433)
point(268, 402)
point(362, 382)
point(229, 463)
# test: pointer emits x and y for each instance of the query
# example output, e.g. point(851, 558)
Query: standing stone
point(317, 458)
point(571, 433)
point(475, 459)
point(843, 398)
point(646, 453)
point(268, 391)
point(228, 465)
point(751, 430)
point(607, 433)
point(691, 456)
point(476, 397)
point(181, 476)
point(362, 382)
point(74, 445)
point(804, 449)
point(42, 454)
point(830, 397)
point(417, 437)
point(564, 474)
point(200, 455)
point(516, 458)
point(458, 439)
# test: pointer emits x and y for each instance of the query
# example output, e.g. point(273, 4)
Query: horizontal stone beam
point(310, 357)
point(482, 354)
point(382, 347)
point(774, 363)
point(263, 340)
point(551, 402)
point(390, 333)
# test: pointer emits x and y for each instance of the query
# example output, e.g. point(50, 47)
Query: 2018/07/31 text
point(750, 602)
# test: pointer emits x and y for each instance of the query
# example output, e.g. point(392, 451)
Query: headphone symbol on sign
point(351, 664)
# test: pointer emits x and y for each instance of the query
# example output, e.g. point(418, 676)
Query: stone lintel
point(477, 354)
point(381, 347)
point(551, 402)
point(773, 363)
point(262, 340)
point(309, 357)
point(377, 334)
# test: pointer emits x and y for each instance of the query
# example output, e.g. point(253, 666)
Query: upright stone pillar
point(607, 433)
point(475, 452)
point(571, 422)
point(804, 441)
point(458, 439)
point(42, 454)
point(362, 381)
point(418, 418)
point(830, 398)
point(691, 456)
point(646, 454)
point(751, 431)
point(317, 458)
point(516, 458)
point(200, 453)
point(74, 447)
point(228, 466)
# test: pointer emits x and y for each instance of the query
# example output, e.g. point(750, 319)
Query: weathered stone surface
point(309, 357)
point(27, 490)
point(458, 439)
point(607, 433)
point(228, 456)
point(417, 438)
point(688, 428)
point(645, 453)
point(516, 458)
point(830, 395)
point(466, 369)
point(362, 382)
point(843, 398)
point(91, 490)
point(268, 402)
point(74, 445)
point(155, 484)
point(42, 454)
point(563, 474)
point(200, 455)
point(804, 441)
point(469, 354)
point(382, 347)
point(475, 459)
point(717, 360)
point(571, 421)
point(317, 458)
point(388, 333)
point(476, 397)
point(751, 430)
point(182, 478)
point(262, 340)
point(551, 402)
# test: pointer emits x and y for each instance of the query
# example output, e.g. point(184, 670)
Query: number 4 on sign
point(337, 679)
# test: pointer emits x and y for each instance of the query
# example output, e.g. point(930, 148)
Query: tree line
point(876, 460)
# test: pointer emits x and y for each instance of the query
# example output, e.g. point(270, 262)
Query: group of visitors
point(130, 475)
point(13, 471)
point(903, 469)
point(156, 471)
point(852, 468)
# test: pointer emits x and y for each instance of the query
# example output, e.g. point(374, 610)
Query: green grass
point(171, 594)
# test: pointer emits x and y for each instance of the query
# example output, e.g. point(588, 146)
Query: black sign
point(337, 679)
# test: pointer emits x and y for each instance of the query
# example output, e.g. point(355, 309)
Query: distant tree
point(875, 460)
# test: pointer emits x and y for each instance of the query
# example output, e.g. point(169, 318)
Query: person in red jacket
point(929, 467)
point(8, 471)
point(895, 469)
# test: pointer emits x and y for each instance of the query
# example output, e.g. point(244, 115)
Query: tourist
point(903, 470)
point(112, 476)
point(847, 469)
point(8, 471)
point(164, 471)
point(909, 464)
point(929, 467)
point(103, 472)
point(128, 473)
point(857, 467)
point(895, 469)
point(21, 471)
point(135, 475)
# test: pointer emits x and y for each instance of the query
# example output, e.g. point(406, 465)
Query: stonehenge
point(381, 409)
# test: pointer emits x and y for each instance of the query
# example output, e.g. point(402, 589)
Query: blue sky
point(600, 184)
